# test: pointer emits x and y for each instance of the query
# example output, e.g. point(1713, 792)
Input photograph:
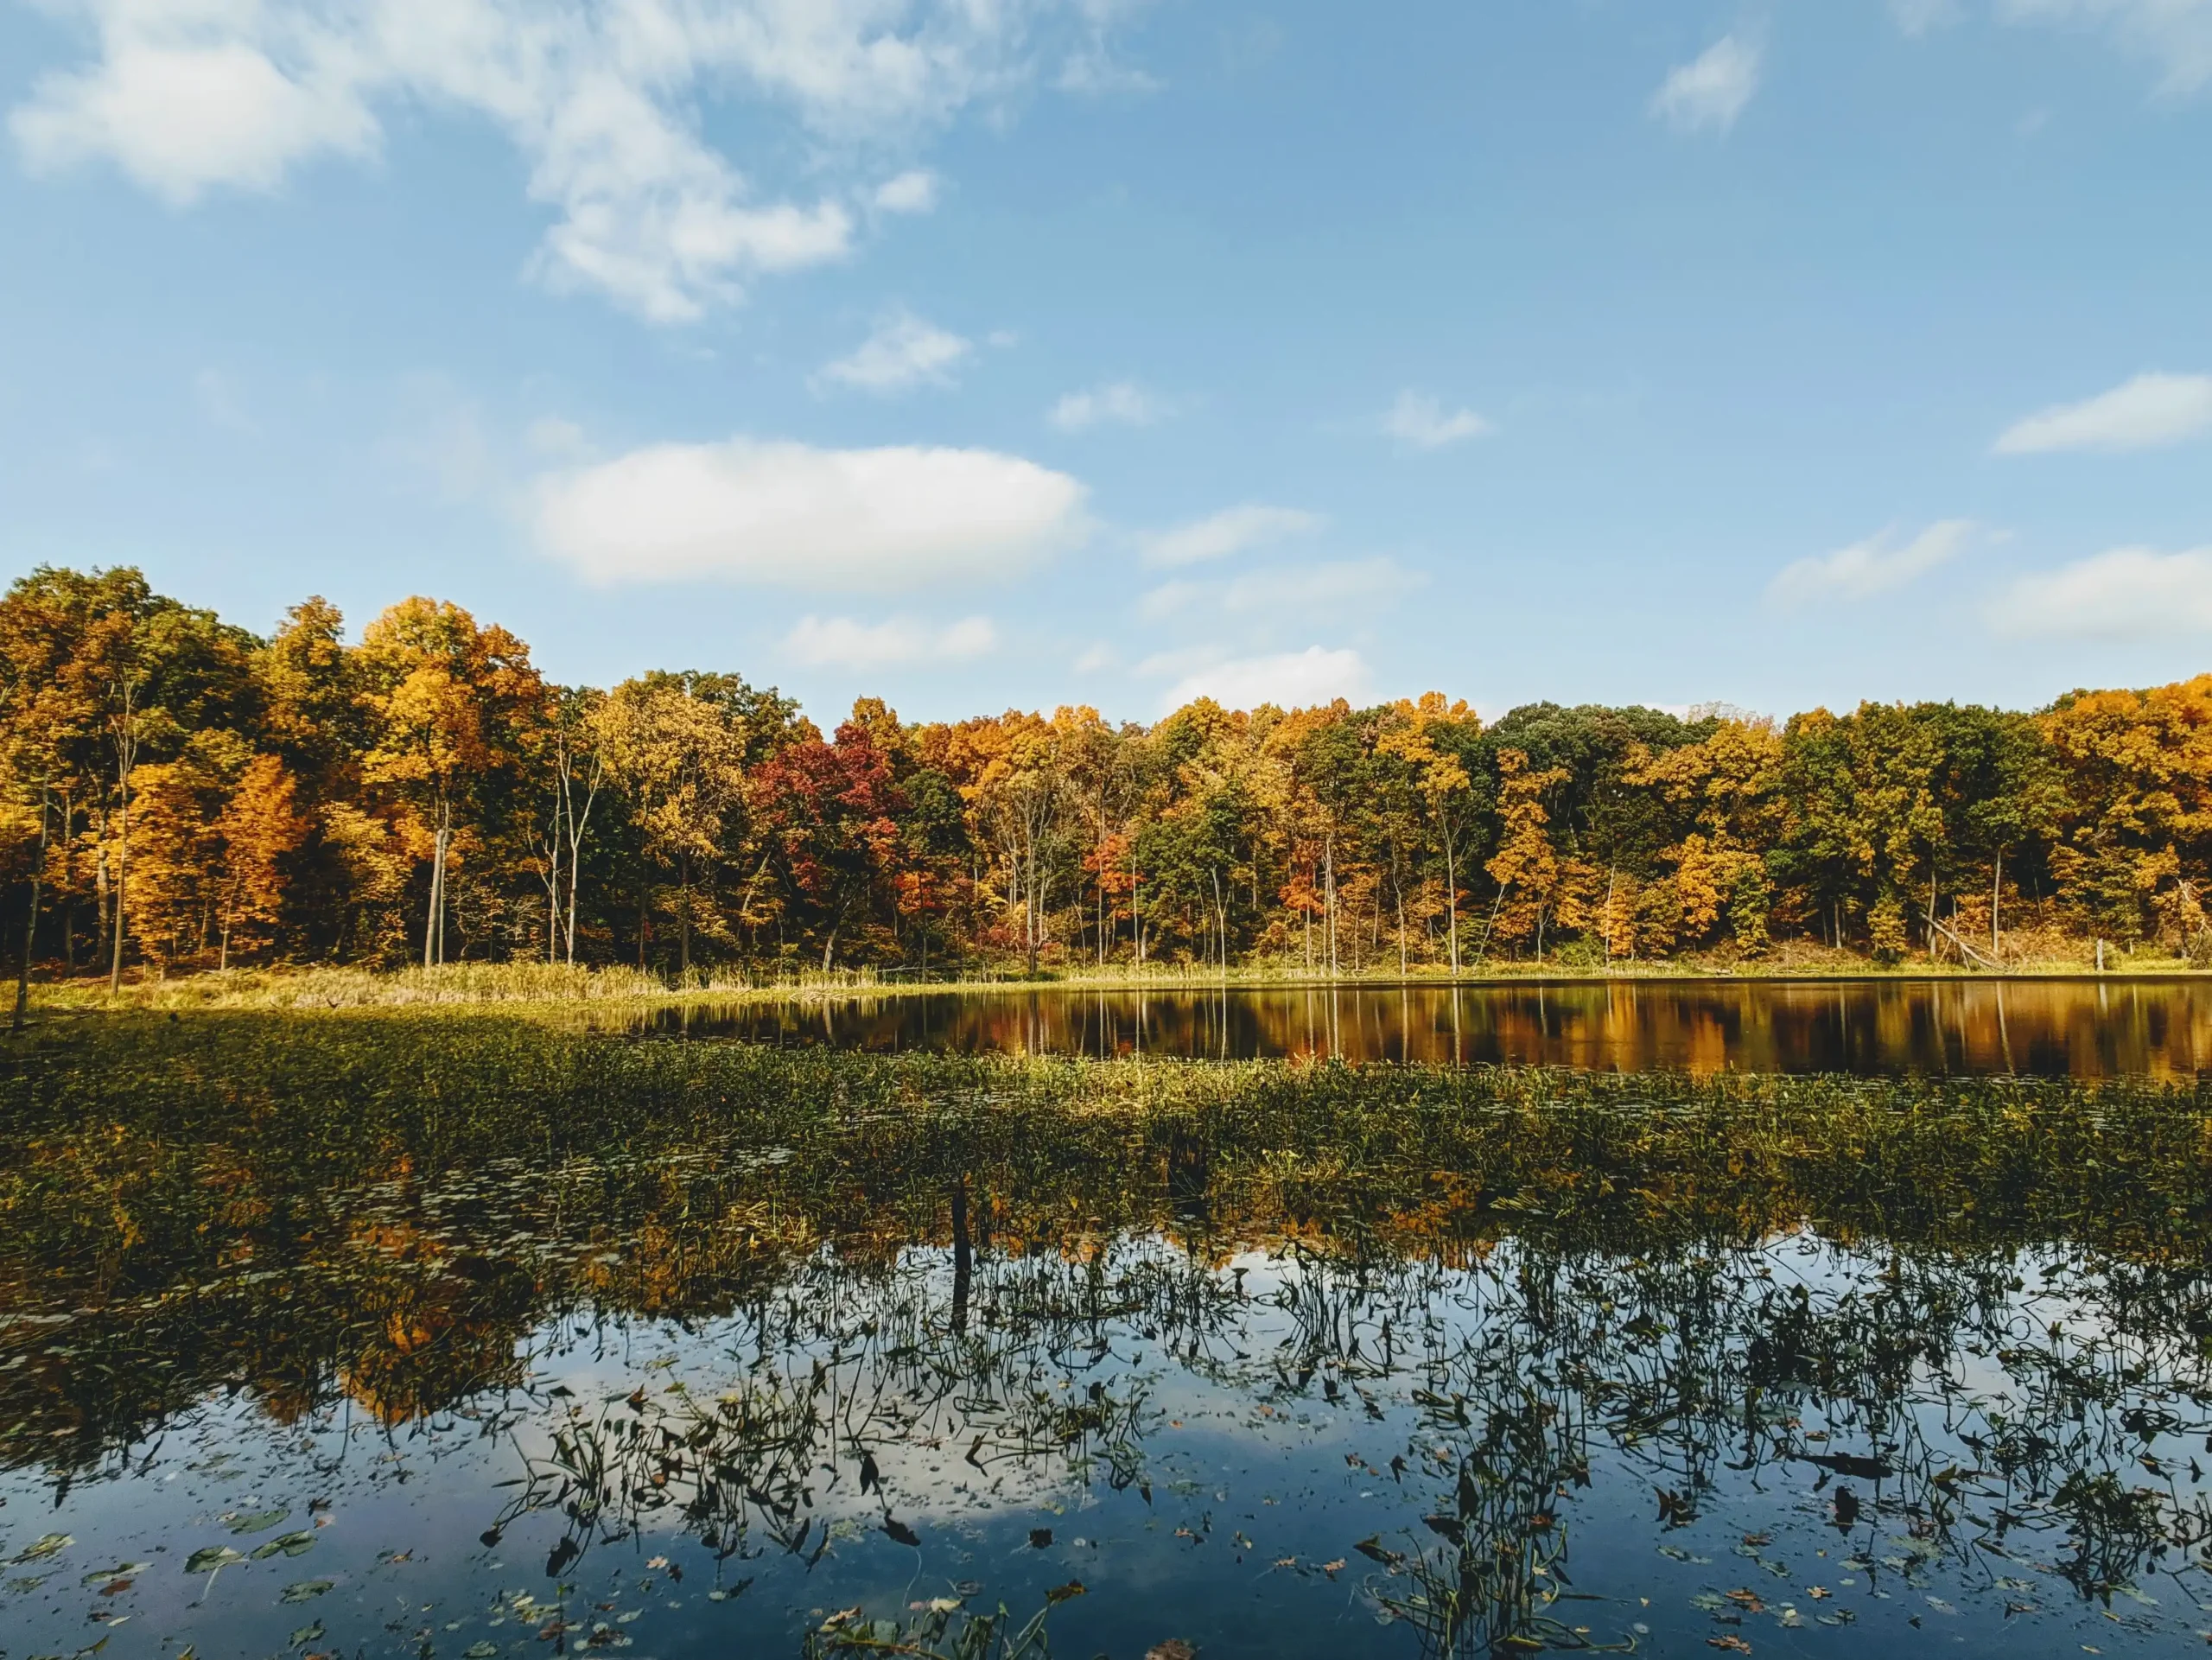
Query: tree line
point(180, 793)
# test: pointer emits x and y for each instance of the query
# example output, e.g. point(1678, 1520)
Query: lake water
point(2086, 1027)
point(444, 1338)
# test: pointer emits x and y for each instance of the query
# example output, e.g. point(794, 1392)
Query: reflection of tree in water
point(1522, 1365)
point(1551, 1278)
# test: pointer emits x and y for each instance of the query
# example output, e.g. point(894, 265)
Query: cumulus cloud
point(1288, 679)
point(1422, 421)
point(1121, 403)
point(903, 352)
point(1712, 90)
point(189, 95)
point(1230, 531)
point(2127, 593)
point(798, 517)
point(2176, 35)
point(1879, 565)
point(843, 643)
point(2148, 412)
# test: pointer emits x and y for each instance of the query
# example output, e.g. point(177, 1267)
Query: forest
point(182, 794)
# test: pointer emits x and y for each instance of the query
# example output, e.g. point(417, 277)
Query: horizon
point(1116, 352)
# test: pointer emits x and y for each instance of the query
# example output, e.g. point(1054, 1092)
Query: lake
point(2084, 1028)
point(478, 1337)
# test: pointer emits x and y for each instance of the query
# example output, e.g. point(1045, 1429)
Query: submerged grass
point(390, 1208)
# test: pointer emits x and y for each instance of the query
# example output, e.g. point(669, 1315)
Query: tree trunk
point(30, 922)
point(122, 887)
point(1996, 897)
point(1452, 899)
point(1329, 898)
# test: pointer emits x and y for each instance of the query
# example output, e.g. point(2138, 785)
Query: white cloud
point(1712, 90)
point(2127, 593)
point(1335, 589)
point(2149, 411)
point(902, 353)
point(2174, 33)
point(1230, 531)
point(600, 97)
point(1289, 679)
point(1877, 566)
point(912, 191)
point(1918, 17)
point(1420, 421)
point(798, 517)
point(843, 643)
point(1122, 403)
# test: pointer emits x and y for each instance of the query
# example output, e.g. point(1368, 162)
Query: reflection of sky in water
point(2044, 1027)
point(1265, 1417)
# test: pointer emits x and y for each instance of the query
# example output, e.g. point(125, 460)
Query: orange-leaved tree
point(452, 704)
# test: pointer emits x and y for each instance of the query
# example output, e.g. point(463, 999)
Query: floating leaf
point(211, 1559)
point(288, 1544)
point(1064, 1592)
point(259, 1522)
point(46, 1546)
point(306, 1590)
point(900, 1532)
point(306, 1635)
point(479, 1651)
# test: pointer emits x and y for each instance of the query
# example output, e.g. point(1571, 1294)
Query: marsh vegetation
point(606, 1338)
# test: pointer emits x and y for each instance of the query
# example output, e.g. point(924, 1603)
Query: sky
point(989, 353)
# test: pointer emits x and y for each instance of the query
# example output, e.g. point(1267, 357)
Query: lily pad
point(287, 1544)
point(259, 1522)
point(305, 1590)
point(479, 1651)
point(46, 1546)
point(210, 1558)
point(306, 1635)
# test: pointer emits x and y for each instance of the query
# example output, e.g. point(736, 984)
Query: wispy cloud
point(799, 516)
point(1234, 531)
point(901, 642)
point(2148, 412)
point(914, 191)
point(1712, 90)
point(1121, 404)
point(2176, 34)
point(1918, 17)
point(1423, 423)
point(1339, 588)
point(1879, 565)
point(187, 97)
point(902, 353)
point(2125, 594)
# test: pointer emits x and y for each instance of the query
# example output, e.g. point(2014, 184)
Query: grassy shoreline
point(464, 985)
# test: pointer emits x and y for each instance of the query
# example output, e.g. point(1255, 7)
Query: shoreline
point(462, 986)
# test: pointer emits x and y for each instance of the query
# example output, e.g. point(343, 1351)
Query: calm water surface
point(2055, 1029)
point(430, 1360)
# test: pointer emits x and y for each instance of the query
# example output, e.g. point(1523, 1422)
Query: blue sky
point(985, 353)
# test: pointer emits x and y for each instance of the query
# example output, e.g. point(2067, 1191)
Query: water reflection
point(465, 1338)
point(2052, 1028)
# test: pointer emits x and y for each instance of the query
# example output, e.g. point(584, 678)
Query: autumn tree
point(451, 705)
